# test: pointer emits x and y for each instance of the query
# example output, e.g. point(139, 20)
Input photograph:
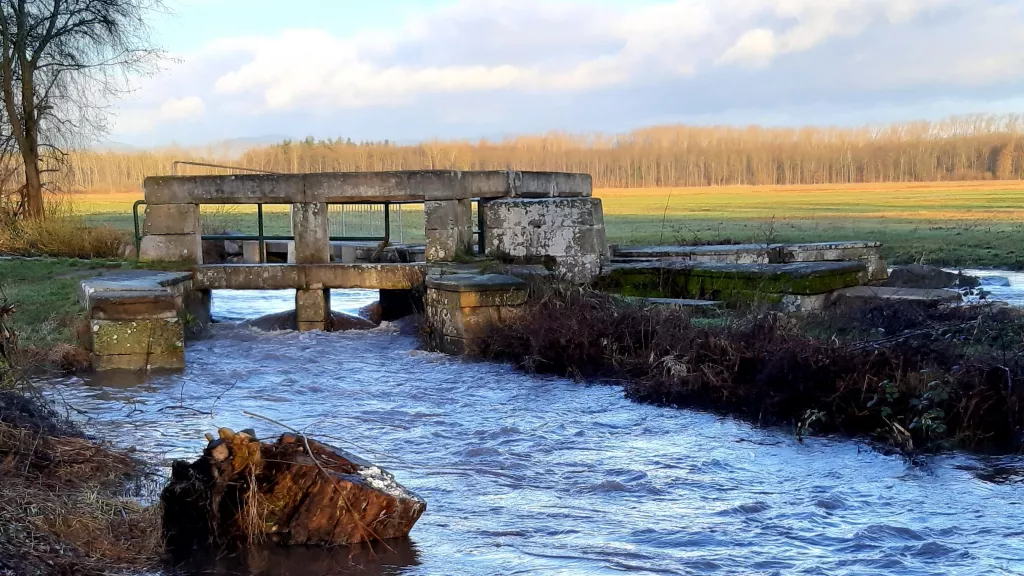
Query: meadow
point(966, 224)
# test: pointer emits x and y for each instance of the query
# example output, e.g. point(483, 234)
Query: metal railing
point(262, 237)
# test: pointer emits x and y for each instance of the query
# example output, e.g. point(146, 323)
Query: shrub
point(933, 378)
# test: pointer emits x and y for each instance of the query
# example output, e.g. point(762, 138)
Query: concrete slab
point(341, 187)
point(129, 281)
point(676, 302)
point(129, 305)
point(728, 282)
point(313, 276)
point(885, 293)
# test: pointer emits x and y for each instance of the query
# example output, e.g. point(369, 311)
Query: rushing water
point(527, 475)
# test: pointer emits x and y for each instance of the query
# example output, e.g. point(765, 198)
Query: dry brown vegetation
point(912, 377)
point(64, 509)
point(61, 234)
point(960, 148)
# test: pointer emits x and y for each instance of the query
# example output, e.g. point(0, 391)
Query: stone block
point(138, 362)
point(171, 219)
point(446, 245)
point(543, 212)
point(312, 235)
point(134, 305)
point(379, 276)
point(154, 337)
point(447, 214)
point(251, 252)
point(551, 185)
point(312, 326)
point(473, 290)
point(249, 277)
point(313, 305)
point(231, 189)
point(172, 248)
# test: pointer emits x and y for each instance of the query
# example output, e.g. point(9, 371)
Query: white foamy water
point(531, 475)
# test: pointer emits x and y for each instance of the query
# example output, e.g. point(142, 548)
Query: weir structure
point(525, 217)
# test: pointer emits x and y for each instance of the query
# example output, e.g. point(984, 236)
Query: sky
point(413, 70)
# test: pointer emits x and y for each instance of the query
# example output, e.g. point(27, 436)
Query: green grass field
point(968, 224)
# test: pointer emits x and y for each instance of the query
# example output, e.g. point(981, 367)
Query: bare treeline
point(959, 148)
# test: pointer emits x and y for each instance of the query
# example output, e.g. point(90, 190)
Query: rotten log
point(295, 491)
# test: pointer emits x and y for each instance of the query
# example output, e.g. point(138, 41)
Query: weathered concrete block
point(446, 245)
point(312, 234)
point(447, 214)
point(473, 290)
point(171, 247)
point(138, 362)
point(158, 336)
point(462, 309)
point(550, 185)
point(543, 212)
point(249, 277)
point(171, 219)
point(313, 306)
point(134, 305)
point(380, 276)
point(567, 233)
point(232, 189)
point(251, 252)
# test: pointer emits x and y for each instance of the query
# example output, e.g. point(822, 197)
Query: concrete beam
point(326, 276)
point(550, 185)
point(341, 187)
point(233, 189)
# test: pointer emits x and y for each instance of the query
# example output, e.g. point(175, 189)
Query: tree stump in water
point(295, 491)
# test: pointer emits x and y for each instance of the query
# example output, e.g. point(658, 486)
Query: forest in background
point(977, 147)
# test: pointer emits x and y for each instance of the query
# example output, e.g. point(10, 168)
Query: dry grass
point(63, 511)
point(64, 508)
point(63, 233)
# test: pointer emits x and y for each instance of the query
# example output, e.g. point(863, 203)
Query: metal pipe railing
point(261, 235)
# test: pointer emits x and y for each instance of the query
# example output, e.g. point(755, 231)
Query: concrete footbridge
point(524, 223)
point(525, 217)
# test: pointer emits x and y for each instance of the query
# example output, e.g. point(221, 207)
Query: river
point(532, 475)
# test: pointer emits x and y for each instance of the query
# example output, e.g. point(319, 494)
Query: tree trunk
point(33, 183)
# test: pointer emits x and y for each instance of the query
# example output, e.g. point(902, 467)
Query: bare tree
point(61, 63)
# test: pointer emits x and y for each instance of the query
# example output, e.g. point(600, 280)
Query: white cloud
point(674, 58)
point(185, 108)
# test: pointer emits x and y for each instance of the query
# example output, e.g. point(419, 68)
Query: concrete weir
point(524, 218)
point(798, 286)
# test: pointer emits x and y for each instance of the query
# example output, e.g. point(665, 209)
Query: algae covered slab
point(728, 282)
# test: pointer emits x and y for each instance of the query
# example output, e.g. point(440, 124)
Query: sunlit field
point(949, 223)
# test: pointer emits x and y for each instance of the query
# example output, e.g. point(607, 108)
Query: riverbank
point(65, 508)
point(913, 378)
point(50, 321)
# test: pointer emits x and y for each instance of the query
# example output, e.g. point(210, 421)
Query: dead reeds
point(912, 377)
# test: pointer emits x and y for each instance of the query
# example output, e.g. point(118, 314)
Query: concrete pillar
point(251, 252)
point(171, 232)
point(462, 309)
point(312, 235)
point(136, 330)
point(564, 233)
point(313, 309)
point(448, 229)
